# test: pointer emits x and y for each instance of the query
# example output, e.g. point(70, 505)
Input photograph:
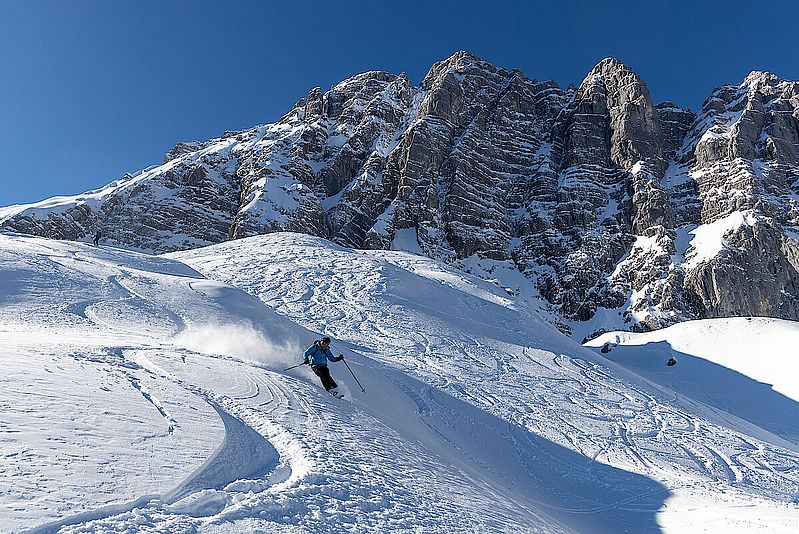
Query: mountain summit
point(648, 213)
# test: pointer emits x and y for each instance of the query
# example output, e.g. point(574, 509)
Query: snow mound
point(91, 426)
point(746, 366)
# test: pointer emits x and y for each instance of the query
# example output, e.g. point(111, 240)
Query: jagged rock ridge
point(602, 198)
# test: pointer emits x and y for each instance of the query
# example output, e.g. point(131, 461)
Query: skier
point(316, 356)
point(97, 238)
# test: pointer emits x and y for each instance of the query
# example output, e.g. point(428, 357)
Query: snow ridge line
point(242, 454)
point(286, 447)
point(84, 517)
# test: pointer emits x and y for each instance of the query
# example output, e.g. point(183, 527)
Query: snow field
point(270, 451)
point(462, 336)
point(142, 397)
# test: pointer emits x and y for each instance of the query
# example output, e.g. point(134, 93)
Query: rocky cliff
point(605, 200)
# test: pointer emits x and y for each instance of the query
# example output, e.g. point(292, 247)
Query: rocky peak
point(755, 120)
point(613, 88)
point(758, 80)
point(457, 89)
point(457, 63)
point(620, 81)
point(583, 190)
point(354, 93)
point(312, 105)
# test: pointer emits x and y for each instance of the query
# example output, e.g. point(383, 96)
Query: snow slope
point(113, 420)
point(141, 396)
point(747, 366)
point(468, 338)
point(87, 421)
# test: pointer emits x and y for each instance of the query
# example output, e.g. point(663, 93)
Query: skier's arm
point(306, 356)
point(329, 356)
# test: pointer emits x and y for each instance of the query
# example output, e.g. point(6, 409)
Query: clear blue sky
point(90, 89)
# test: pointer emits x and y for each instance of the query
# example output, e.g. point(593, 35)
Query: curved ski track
point(446, 381)
point(460, 345)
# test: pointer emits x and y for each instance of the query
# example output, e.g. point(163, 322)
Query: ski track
point(387, 483)
point(291, 457)
point(642, 428)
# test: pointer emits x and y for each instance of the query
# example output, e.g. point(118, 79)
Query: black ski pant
point(324, 375)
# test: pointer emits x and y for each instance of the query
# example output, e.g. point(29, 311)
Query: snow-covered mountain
point(140, 395)
point(621, 213)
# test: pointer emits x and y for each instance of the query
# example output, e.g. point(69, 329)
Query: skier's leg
point(331, 384)
point(324, 375)
point(321, 371)
point(318, 372)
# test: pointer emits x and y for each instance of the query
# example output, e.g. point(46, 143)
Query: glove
point(340, 357)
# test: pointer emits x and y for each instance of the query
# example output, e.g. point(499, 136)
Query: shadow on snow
point(547, 482)
point(714, 385)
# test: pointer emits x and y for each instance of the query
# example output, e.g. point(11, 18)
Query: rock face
point(604, 200)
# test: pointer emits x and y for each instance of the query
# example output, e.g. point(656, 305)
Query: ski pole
point(353, 375)
point(294, 366)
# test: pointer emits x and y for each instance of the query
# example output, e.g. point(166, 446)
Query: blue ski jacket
point(316, 355)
